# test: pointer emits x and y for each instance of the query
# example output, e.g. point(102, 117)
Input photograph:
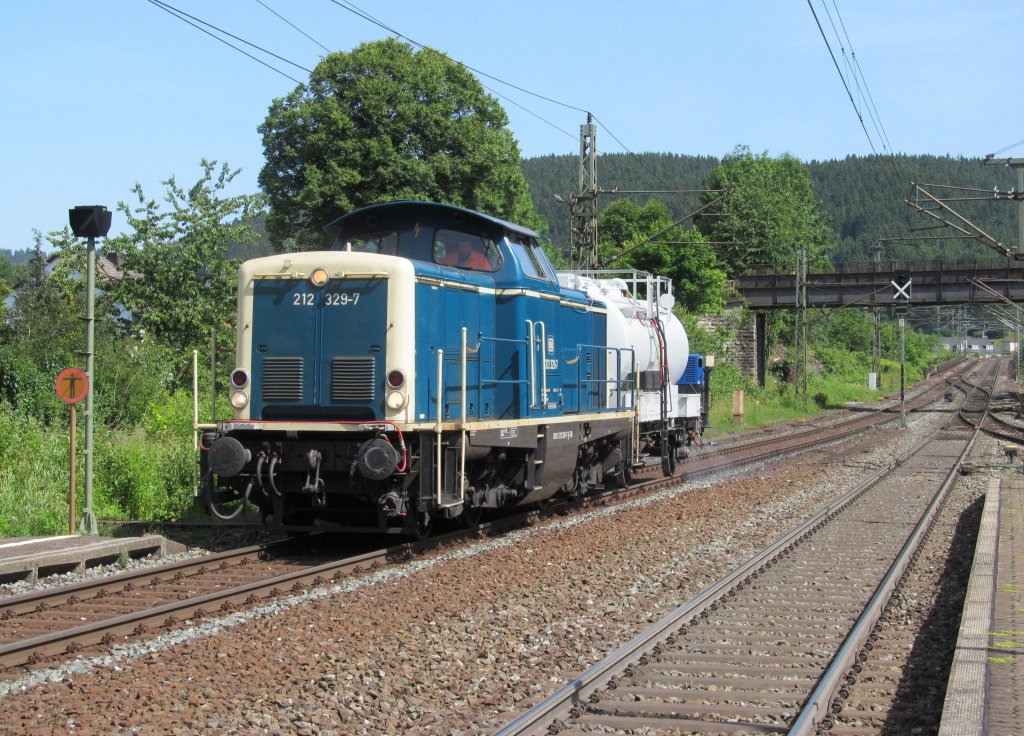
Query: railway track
point(710, 463)
point(776, 645)
point(44, 626)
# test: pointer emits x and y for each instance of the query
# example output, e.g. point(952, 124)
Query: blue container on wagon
point(694, 373)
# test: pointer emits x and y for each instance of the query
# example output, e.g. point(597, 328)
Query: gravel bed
point(903, 682)
point(452, 643)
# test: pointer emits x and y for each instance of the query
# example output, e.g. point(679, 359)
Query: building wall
point(740, 329)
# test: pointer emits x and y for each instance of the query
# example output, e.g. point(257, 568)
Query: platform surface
point(29, 558)
point(985, 691)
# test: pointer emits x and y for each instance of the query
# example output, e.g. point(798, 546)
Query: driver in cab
point(468, 255)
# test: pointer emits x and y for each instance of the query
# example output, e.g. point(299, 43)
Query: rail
point(591, 696)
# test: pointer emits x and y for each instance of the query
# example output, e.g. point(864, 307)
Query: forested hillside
point(863, 197)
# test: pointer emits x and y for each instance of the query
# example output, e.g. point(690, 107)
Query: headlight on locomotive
point(318, 279)
point(239, 399)
point(395, 400)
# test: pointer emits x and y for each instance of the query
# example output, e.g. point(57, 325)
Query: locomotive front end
point(322, 386)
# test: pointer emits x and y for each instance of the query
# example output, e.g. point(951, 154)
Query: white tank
point(632, 302)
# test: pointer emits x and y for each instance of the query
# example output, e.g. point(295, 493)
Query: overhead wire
point(198, 23)
point(849, 94)
point(293, 26)
point(868, 103)
point(1004, 150)
point(858, 76)
point(186, 18)
point(355, 10)
point(352, 8)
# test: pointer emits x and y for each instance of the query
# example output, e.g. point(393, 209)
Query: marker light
point(318, 278)
point(239, 399)
point(239, 377)
point(396, 378)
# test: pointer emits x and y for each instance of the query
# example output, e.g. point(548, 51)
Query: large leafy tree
point(644, 237)
point(177, 279)
point(770, 213)
point(386, 122)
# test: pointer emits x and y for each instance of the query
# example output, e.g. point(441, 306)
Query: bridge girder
point(931, 287)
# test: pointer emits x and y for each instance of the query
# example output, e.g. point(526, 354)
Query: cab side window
point(530, 256)
point(466, 250)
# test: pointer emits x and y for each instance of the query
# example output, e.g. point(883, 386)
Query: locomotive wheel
point(420, 523)
point(470, 516)
point(622, 476)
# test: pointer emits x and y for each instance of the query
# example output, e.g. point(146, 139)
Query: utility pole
point(583, 204)
point(876, 318)
point(1018, 164)
point(800, 324)
point(903, 362)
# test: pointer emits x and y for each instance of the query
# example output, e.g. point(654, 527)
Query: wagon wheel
point(668, 462)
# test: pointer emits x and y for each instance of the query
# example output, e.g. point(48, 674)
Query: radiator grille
point(352, 378)
point(282, 379)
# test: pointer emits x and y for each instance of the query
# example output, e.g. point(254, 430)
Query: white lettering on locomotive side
point(567, 435)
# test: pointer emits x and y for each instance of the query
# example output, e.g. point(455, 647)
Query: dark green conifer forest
point(863, 197)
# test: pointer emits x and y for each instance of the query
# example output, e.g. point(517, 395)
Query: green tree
point(10, 275)
point(672, 251)
point(177, 281)
point(769, 214)
point(44, 318)
point(386, 122)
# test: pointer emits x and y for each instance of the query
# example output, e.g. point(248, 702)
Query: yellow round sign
point(72, 385)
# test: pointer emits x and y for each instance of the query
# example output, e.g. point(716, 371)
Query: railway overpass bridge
point(879, 285)
point(892, 284)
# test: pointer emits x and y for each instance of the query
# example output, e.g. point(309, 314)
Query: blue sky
point(100, 95)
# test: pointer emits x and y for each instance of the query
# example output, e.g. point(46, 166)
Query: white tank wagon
point(642, 326)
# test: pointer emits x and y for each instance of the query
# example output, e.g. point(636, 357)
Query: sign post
point(901, 284)
point(91, 222)
point(72, 386)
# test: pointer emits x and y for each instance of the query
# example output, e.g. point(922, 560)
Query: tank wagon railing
point(644, 288)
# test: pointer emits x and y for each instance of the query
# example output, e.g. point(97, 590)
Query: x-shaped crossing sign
point(901, 285)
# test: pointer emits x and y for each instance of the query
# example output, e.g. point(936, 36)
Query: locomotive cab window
point(532, 259)
point(382, 242)
point(463, 250)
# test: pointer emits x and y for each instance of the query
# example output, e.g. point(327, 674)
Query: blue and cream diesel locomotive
point(433, 364)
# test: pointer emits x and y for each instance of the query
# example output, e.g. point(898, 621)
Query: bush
point(34, 476)
point(143, 477)
point(147, 472)
point(139, 474)
point(27, 389)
